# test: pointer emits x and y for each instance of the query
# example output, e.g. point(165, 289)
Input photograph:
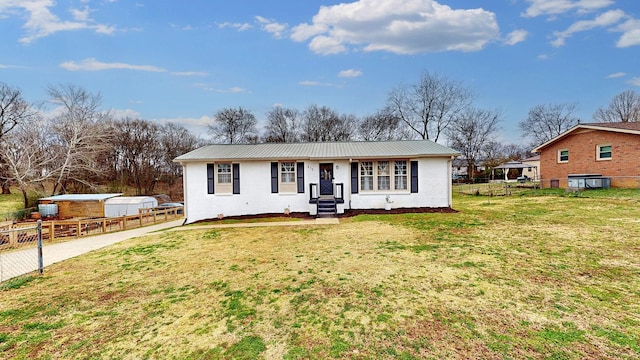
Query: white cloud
point(91, 64)
point(237, 26)
point(189, 73)
point(631, 33)
point(398, 26)
point(231, 90)
point(635, 81)
point(315, 83)
point(198, 126)
point(3, 66)
point(81, 15)
point(42, 22)
point(543, 57)
point(557, 7)
point(616, 75)
point(271, 26)
point(516, 36)
point(350, 73)
point(604, 20)
point(125, 113)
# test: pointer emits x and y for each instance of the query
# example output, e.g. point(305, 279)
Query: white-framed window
point(288, 177)
point(224, 173)
point(604, 152)
point(384, 175)
point(366, 175)
point(563, 156)
point(400, 175)
point(287, 172)
point(223, 178)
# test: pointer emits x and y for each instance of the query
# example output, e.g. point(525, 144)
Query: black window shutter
point(414, 176)
point(274, 177)
point(354, 178)
point(211, 179)
point(300, 175)
point(236, 178)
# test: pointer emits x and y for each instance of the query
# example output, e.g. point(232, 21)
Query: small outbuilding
point(74, 205)
point(128, 205)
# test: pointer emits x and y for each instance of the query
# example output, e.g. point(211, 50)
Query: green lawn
point(534, 275)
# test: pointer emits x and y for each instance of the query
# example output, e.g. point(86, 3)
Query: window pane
point(366, 168)
point(400, 171)
point(224, 173)
point(288, 172)
point(605, 152)
point(383, 168)
point(564, 155)
point(384, 182)
point(366, 183)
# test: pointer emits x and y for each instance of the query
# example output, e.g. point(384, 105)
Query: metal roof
point(124, 200)
point(80, 197)
point(319, 151)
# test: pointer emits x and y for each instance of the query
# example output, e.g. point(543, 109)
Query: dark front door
point(326, 179)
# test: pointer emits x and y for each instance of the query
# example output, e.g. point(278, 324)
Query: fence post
point(52, 231)
point(40, 260)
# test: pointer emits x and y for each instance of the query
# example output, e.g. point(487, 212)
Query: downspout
point(450, 181)
point(184, 192)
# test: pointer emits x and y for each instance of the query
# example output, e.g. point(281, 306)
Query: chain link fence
point(20, 251)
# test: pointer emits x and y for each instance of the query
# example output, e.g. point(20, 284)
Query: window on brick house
point(563, 156)
point(604, 152)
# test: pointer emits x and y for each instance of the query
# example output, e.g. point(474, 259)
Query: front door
point(326, 179)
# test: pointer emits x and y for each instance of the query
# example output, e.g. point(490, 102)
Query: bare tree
point(234, 126)
point(14, 110)
point(430, 105)
point(383, 125)
point(545, 122)
point(283, 125)
point(320, 123)
point(624, 107)
point(470, 132)
point(27, 161)
point(81, 136)
point(175, 140)
point(139, 154)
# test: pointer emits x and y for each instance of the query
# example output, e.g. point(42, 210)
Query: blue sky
point(182, 61)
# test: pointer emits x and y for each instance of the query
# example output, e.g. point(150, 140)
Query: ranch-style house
point(322, 179)
point(592, 155)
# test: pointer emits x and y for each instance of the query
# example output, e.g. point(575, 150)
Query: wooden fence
point(58, 229)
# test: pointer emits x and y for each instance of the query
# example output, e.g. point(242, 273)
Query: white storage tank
point(48, 210)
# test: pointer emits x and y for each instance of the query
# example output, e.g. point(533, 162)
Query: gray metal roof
point(320, 151)
point(80, 197)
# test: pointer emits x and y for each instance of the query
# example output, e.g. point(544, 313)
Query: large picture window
point(384, 175)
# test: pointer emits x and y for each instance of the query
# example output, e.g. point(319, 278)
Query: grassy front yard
point(509, 277)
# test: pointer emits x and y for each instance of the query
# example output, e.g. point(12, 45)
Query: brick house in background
point(611, 150)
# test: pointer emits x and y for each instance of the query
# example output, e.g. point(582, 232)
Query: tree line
point(82, 146)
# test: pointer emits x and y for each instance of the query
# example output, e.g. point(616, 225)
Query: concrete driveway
point(25, 261)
